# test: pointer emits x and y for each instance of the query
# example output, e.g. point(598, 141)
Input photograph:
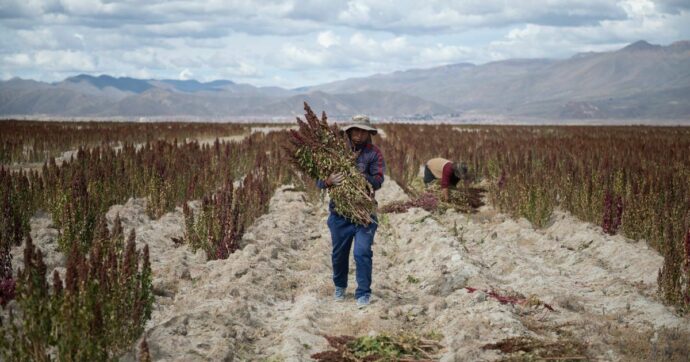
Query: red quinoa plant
point(36, 141)
point(319, 150)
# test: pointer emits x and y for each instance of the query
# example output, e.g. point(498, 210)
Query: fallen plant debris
point(512, 298)
point(427, 201)
point(463, 199)
point(383, 347)
point(468, 198)
point(647, 344)
point(534, 349)
point(319, 150)
point(144, 354)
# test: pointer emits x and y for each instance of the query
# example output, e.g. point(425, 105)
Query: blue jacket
point(370, 162)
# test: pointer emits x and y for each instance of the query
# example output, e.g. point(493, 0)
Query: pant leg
point(428, 175)
point(342, 233)
point(364, 238)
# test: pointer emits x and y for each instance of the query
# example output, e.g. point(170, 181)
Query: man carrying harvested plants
point(343, 231)
point(449, 172)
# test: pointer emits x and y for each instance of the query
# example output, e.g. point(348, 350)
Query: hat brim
point(360, 126)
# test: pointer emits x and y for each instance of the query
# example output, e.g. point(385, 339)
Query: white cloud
point(296, 57)
point(81, 40)
point(313, 40)
point(444, 54)
point(241, 69)
point(395, 45)
point(60, 60)
point(142, 58)
point(20, 60)
point(327, 39)
point(41, 38)
point(531, 40)
point(357, 12)
point(638, 8)
point(370, 48)
point(186, 74)
point(362, 42)
point(51, 61)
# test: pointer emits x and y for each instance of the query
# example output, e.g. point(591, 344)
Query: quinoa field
point(203, 241)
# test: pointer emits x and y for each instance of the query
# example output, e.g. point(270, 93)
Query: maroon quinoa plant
point(320, 149)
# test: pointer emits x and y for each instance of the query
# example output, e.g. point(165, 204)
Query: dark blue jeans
point(343, 232)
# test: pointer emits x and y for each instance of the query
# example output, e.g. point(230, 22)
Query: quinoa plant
point(15, 208)
point(320, 150)
point(107, 293)
point(225, 214)
point(36, 141)
point(74, 212)
point(686, 268)
point(629, 180)
point(215, 228)
point(31, 338)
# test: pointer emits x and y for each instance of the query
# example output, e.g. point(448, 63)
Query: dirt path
point(273, 299)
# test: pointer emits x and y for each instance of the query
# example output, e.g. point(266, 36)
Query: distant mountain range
point(639, 81)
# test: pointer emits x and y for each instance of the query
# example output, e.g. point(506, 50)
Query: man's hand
point(444, 194)
point(335, 179)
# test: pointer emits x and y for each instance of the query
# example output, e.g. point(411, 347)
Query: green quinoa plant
point(106, 292)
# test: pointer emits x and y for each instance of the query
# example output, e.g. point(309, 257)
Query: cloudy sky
point(304, 42)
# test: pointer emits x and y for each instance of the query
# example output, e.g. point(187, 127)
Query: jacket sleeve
point(321, 184)
point(447, 174)
point(377, 167)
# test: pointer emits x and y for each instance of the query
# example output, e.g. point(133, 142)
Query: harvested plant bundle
point(427, 201)
point(320, 150)
point(401, 346)
point(463, 199)
point(508, 297)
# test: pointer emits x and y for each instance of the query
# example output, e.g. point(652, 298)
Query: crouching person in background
point(449, 172)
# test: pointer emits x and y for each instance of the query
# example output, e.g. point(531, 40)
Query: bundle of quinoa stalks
point(462, 199)
point(319, 150)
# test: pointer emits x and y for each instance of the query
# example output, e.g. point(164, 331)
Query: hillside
point(639, 81)
point(543, 87)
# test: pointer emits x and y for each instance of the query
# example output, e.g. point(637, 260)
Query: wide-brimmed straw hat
point(362, 122)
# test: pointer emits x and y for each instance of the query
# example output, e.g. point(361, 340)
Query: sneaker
point(363, 301)
point(339, 295)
